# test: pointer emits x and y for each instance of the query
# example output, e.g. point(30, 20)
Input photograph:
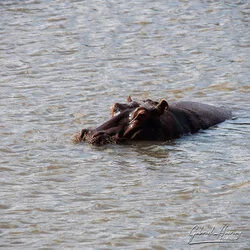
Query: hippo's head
point(144, 121)
point(117, 108)
point(134, 121)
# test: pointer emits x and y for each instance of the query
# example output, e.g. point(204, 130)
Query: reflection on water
point(63, 64)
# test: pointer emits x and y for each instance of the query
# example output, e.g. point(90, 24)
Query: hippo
point(118, 107)
point(150, 120)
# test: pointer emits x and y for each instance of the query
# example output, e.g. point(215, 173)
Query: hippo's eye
point(138, 114)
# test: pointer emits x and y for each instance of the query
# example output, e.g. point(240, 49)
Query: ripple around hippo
point(150, 120)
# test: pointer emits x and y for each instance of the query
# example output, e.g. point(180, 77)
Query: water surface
point(63, 64)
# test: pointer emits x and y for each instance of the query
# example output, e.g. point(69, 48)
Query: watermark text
point(211, 234)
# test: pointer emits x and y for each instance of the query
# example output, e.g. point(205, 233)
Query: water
point(63, 64)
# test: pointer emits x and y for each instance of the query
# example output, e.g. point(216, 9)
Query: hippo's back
point(206, 115)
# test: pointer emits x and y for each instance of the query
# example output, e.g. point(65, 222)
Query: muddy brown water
point(63, 64)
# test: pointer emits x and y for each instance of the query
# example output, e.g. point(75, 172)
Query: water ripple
point(63, 64)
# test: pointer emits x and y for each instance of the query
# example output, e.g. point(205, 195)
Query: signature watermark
point(212, 234)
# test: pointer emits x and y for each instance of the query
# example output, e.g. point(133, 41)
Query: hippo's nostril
point(80, 136)
point(99, 133)
point(84, 132)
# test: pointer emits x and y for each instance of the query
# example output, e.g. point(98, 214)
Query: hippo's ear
point(161, 107)
point(129, 99)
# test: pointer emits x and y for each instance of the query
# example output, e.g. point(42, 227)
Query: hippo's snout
point(79, 137)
